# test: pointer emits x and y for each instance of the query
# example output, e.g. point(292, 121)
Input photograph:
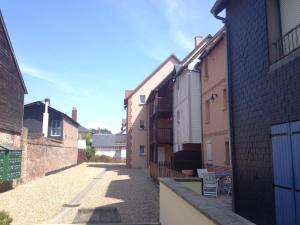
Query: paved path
point(56, 198)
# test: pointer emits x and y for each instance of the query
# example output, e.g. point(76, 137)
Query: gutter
point(219, 6)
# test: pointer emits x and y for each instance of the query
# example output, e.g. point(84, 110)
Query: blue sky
point(86, 53)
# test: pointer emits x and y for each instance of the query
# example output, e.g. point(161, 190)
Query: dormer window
point(56, 128)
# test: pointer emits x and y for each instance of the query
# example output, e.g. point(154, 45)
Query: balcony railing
point(161, 104)
point(288, 43)
point(162, 135)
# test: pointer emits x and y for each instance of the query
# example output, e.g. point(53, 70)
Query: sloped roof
point(82, 129)
point(172, 56)
point(109, 140)
point(63, 114)
point(13, 53)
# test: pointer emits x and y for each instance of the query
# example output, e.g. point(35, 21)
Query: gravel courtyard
point(89, 185)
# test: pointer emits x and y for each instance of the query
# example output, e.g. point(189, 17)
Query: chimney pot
point(74, 114)
point(198, 40)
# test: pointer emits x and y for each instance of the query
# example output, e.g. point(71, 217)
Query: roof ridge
point(152, 73)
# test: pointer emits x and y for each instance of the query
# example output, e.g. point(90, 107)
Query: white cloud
point(48, 77)
point(179, 17)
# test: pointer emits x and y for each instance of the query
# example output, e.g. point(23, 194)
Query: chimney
point(46, 117)
point(74, 114)
point(198, 40)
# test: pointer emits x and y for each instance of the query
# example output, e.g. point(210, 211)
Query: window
point(205, 68)
point(56, 128)
point(225, 99)
point(227, 153)
point(207, 111)
point(142, 99)
point(283, 27)
point(142, 124)
point(142, 150)
point(178, 116)
point(209, 156)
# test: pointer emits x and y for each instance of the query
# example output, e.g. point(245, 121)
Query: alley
point(56, 198)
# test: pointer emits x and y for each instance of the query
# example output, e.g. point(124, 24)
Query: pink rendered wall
point(216, 130)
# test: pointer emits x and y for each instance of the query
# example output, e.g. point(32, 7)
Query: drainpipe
point(46, 118)
point(229, 98)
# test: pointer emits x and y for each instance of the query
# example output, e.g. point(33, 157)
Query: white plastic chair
point(200, 172)
point(210, 184)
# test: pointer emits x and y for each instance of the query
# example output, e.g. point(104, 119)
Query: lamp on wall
point(213, 97)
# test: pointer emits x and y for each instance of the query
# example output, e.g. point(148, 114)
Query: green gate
point(10, 163)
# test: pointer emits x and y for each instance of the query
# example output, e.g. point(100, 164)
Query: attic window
point(142, 99)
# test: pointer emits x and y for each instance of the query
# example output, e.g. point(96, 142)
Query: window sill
point(142, 154)
point(142, 128)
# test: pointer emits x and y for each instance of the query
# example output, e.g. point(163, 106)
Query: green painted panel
point(14, 164)
point(2, 155)
point(10, 165)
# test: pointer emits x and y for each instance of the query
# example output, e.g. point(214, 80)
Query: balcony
point(289, 43)
point(161, 105)
point(161, 135)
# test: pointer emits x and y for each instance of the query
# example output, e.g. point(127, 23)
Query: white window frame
point(142, 147)
point(57, 126)
point(144, 101)
point(142, 128)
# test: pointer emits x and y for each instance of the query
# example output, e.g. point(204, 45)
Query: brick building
point(263, 42)
point(135, 104)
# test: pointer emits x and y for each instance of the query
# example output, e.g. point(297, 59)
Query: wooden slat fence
point(163, 169)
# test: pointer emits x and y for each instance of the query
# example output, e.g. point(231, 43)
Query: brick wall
point(258, 98)
point(43, 155)
point(129, 134)
point(7, 137)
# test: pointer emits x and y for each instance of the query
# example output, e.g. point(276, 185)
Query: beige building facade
point(216, 146)
point(137, 116)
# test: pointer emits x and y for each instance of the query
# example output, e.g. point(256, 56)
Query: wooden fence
point(163, 169)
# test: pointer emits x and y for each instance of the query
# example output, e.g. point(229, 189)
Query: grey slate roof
point(82, 129)
point(109, 140)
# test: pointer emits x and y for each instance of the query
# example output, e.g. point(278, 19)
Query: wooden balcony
point(162, 136)
point(161, 106)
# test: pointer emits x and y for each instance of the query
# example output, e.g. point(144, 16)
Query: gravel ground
point(130, 190)
point(41, 199)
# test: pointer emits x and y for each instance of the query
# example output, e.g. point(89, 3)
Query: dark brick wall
point(11, 90)
point(258, 99)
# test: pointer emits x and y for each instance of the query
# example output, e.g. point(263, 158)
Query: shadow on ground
point(138, 193)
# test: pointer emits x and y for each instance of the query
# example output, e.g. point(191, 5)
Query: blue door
point(286, 166)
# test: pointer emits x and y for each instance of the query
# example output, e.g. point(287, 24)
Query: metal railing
point(288, 43)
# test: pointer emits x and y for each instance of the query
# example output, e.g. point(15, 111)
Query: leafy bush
point(106, 159)
point(5, 219)
point(102, 158)
point(90, 152)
